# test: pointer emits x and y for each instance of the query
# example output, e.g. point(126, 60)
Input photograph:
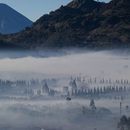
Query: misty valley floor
point(58, 113)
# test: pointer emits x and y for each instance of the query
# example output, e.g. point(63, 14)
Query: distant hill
point(11, 21)
point(81, 23)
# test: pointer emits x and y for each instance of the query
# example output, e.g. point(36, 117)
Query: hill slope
point(80, 23)
point(11, 21)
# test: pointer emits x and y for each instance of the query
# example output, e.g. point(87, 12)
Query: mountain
point(81, 23)
point(11, 21)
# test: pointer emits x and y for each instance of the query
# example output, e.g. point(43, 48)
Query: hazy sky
point(33, 9)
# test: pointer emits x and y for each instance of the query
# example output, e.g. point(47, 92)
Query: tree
point(123, 124)
point(123, 120)
point(92, 105)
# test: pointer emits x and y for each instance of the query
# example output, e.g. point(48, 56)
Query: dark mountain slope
point(115, 24)
point(81, 23)
point(86, 6)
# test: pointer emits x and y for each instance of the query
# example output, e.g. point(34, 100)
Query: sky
point(34, 9)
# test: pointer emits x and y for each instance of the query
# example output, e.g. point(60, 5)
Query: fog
point(109, 64)
point(56, 113)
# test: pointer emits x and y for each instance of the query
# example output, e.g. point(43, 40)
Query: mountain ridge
point(81, 23)
point(12, 21)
